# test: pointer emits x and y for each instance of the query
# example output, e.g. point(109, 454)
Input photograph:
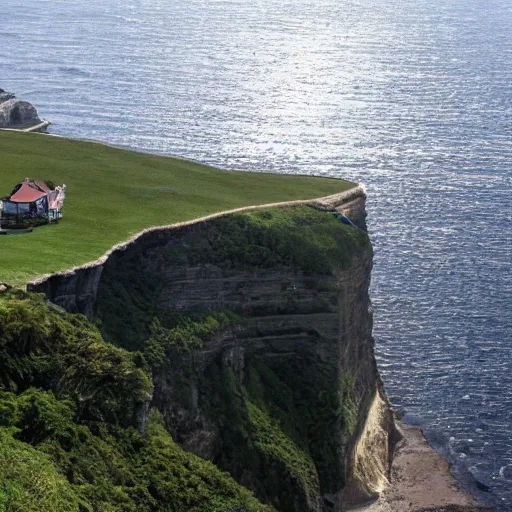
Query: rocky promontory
point(225, 364)
point(18, 114)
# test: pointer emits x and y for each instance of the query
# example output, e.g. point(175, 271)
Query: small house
point(31, 203)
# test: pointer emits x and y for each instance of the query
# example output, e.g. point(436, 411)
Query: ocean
point(413, 99)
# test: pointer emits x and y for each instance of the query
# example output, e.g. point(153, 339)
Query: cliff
point(257, 328)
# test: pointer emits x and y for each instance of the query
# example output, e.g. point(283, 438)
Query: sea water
point(414, 99)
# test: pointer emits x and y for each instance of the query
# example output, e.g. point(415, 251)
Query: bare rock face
point(74, 291)
point(355, 210)
point(18, 114)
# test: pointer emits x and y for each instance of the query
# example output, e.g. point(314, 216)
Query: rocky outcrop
point(18, 114)
point(4, 287)
point(355, 209)
point(75, 291)
point(258, 328)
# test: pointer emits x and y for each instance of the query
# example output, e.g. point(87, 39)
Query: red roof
point(43, 186)
point(27, 194)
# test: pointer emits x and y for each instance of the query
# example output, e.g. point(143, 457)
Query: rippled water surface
point(413, 98)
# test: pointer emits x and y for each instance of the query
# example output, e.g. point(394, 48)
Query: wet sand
point(421, 480)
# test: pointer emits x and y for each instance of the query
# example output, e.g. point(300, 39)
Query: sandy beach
point(421, 480)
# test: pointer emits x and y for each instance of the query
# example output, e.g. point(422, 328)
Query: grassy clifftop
point(114, 193)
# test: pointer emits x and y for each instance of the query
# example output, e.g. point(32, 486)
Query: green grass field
point(113, 194)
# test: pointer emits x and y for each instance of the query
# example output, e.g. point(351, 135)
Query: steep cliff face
point(258, 330)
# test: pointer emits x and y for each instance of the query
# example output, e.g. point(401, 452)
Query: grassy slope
point(114, 193)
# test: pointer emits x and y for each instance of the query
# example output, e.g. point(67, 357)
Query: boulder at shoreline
point(18, 114)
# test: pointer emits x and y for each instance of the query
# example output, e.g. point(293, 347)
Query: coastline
point(421, 481)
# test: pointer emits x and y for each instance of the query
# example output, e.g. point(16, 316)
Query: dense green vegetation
point(41, 347)
point(187, 333)
point(29, 481)
point(298, 237)
point(114, 193)
point(303, 397)
point(295, 236)
point(279, 422)
point(71, 409)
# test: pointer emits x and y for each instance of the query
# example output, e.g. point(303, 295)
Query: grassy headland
point(114, 193)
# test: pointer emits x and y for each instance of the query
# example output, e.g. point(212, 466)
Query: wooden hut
point(32, 202)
